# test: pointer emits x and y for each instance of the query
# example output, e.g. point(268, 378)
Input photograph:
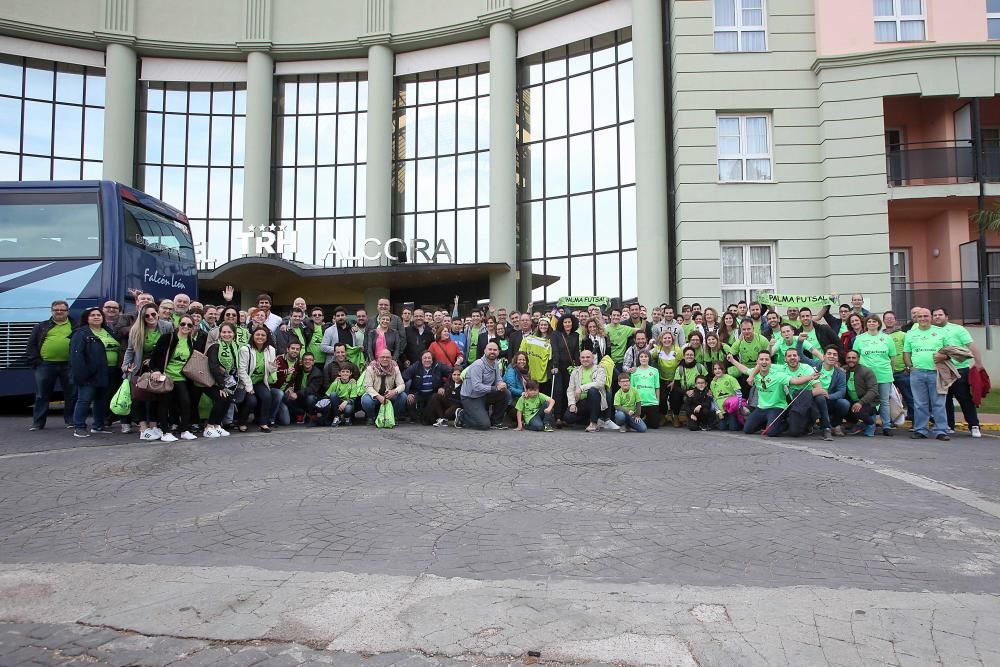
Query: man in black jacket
point(299, 329)
point(418, 338)
point(423, 379)
point(48, 354)
point(817, 336)
point(304, 389)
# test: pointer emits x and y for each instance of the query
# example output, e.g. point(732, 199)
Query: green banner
point(583, 301)
point(811, 301)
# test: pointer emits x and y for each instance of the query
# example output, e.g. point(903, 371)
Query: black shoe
point(36, 427)
point(943, 436)
point(917, 436)
point(887, 431)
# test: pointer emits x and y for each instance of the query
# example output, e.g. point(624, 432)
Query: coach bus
point(83, 242)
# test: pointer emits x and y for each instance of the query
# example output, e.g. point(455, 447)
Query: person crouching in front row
point(530, 412)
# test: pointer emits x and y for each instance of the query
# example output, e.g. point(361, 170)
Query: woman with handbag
point(145, 332)
point(565, 356)
point(256, 370)
point(167, 363)
point(222, 361)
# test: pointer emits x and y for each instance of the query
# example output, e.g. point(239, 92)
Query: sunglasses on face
point(186, 324)
point(150, 315)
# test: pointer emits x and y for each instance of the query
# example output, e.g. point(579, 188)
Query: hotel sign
point(278, 239)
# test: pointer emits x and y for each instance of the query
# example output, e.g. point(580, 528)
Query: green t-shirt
point(803, 369)
point(313, 346)
point(876, 353)
point(149, 342)
point(473, 344)
point(826, 376)
point(646, 381)
point(667, 361)
point(618, 335)
point(539, 351)
point(705, 357)
point(723, 387)
point(344, 390)
point(111, 346)
point(771, 389)
point(529, 407)
point(780, 347)
point(746, 351)
point(55, 347)
point(811, 342)
point(852, 392)
point(959, 335)
point(898, 366)
point(627, 401)
point(257, 375)
point(688, 328)
point(687, 376)
point(177, 360)
point(922, 344)
point(586, 375)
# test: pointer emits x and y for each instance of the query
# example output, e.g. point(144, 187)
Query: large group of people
point(749, 368)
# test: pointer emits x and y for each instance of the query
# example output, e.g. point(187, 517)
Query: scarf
point(227, 355)
point(376, 369)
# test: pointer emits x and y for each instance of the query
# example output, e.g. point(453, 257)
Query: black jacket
point(438, 371)
point(88, 360)
point(417, 343)
point(283, 338)
point(826, 336)
point(565, 350)
point(217, 370)
point(314, 381)
point(392, 342)
point(165, 347)
point(332, 370)
point(33, 353)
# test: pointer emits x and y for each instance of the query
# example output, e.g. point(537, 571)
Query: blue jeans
point(760, 418)
point(371, 406)
point(630, 422)
point(46, 374)
point(902, 382)
point(927, 403)
point(540, 421)
point(86, 396)
point(884, 396)
point(831, 412)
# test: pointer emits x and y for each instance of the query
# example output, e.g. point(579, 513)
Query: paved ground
point(430, 545)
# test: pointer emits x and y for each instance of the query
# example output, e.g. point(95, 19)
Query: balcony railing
point(939, 163)
point(960, 299)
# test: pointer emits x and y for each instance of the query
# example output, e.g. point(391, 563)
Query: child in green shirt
point(530, 412)
point(338, 406)
point(628, 406)
point(725, 387)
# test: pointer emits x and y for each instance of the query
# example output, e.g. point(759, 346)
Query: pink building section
point(848, 26)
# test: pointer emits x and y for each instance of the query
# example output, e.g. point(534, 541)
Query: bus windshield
point(50, 226)
point(156, 233)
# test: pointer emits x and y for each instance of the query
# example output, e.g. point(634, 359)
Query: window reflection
point(441, 169)
point(190, 155)
point(576, 170)
point(48, 110)
point(320, 150)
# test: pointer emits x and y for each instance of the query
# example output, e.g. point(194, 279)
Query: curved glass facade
point(576, 170)
point(51, 120)
point(441, 160)
point(190, 142)
point(319, 173)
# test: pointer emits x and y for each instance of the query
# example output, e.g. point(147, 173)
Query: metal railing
point(939, 162)
point(960, 299)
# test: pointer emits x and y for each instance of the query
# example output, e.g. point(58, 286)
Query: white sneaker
point(221, 431)
point(210, 432)
point(976, 433)
point(158, 432)
point(149, 434)
point(188, 435)
point(607, 425)
point(168, 437)
point(440, 421)
point(126, 428)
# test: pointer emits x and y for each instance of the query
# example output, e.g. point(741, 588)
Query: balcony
point(939, 163)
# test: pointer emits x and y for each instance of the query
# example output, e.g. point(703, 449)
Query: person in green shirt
point(646, 381)
point(535, 410)
point(877, 351)
point(725, 387)
point(337, 407)
point(48, 352)
point(628, 405)
point(960, 389)
point(618, 335)
point(784, 342)
point(687, 373)
point(167, 361)
point(745, 350)
point(921, 350)
point(899, 374)
point(770, 383)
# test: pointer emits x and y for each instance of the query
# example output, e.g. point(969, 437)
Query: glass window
point(993, 18)
point(747, 270)
point(900, 20)
point(50, 110)
point(576, 170)
point(157, 233)
point(744, 148)
point(740, 25)
point(190, 154)
point(320, 153)
point(48, 226)
point(441, 160)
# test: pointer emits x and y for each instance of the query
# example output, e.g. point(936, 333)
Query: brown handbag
point(147, 384)
point(196, 370)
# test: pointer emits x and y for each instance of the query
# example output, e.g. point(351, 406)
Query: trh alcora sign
point(277, 239)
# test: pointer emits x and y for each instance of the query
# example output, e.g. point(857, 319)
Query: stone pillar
point(257, 170)
point(378, 198)
point(503, 193)
point(651, 214)
point(119, 113)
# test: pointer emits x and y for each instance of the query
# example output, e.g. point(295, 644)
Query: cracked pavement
point(436, 546)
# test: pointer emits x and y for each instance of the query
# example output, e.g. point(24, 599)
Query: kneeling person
point(530, 412)
point(628, 405)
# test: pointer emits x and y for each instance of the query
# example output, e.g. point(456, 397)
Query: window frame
point(991, 16)
point(748, 287)
point(899, 18)
point(739, 28)
point(744, 155)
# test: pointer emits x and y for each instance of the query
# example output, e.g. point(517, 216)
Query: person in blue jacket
point(89, 369)
point(831, 406)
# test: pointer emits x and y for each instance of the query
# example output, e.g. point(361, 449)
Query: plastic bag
point(386, 416)
point(121, 403)
point(897, 409)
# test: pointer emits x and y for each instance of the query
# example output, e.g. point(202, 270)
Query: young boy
point(628, 406)
point(699, 407)
point(339, 401)
point(530, 412)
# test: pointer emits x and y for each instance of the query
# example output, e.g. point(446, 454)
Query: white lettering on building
point(276, 239)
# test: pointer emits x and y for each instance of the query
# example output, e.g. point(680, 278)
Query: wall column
point(257, 170)
point(378, 198)
point(119, 113)
point(503, 193)
point(651, 214)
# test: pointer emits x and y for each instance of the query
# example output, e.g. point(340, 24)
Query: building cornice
point(906, 53)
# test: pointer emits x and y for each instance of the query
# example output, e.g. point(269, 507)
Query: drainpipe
point(668, 106)
point(984, 281)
